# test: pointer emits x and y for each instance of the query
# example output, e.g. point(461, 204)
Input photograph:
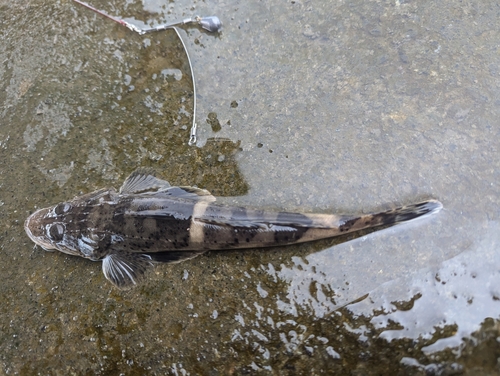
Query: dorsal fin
point(142, 180)
point(192, 193)
point(249, 224)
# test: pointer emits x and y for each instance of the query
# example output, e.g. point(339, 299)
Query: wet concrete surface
point(310, 106)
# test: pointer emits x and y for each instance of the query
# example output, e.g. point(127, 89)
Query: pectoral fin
point(126, 270)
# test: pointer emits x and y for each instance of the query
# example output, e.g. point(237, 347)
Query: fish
point(149, 221)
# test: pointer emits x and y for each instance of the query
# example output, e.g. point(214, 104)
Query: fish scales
point(148, 221)
point(163, 224)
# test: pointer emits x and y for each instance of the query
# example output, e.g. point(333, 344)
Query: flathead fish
point(148, 220)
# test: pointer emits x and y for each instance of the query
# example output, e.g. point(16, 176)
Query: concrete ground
point(312, 106)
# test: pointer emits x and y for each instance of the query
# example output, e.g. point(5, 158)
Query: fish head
point(68, 227)
point(48, 229)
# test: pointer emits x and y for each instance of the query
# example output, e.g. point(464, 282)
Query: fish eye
point(62, 208)
point(56, 232)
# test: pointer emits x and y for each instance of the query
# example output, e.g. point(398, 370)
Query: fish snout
point(35, 228)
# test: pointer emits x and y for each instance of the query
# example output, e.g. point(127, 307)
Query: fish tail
point(391, 217)
point(409, 212)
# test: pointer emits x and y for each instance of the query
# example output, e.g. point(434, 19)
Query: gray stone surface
point(324, 106)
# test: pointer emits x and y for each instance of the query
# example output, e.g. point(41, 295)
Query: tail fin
point(394, 216)
point(409, 212)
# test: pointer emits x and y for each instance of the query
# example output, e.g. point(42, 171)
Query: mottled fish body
point(149, 220)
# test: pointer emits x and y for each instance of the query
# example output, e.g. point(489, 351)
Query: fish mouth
point(35, 231)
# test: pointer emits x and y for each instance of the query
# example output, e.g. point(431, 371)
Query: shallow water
point(302, 105)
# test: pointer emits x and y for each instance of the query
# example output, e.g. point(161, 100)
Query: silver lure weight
point(210, 23)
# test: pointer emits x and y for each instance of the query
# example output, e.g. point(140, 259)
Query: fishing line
point(211, 23)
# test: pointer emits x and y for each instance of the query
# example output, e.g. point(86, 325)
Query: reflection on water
point(435, 316)
point(458, 295)
point(357, 107)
